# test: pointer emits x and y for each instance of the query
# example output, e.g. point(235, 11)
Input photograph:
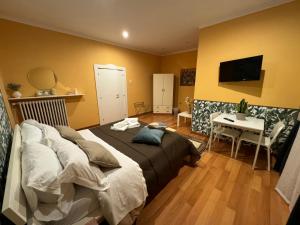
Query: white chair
point(265, 141)
point(219, 130)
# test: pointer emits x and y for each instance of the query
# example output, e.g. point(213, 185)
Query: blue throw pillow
point(149, 136)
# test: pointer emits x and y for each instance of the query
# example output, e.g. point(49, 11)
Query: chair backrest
point(212, 116)
point(276, 131)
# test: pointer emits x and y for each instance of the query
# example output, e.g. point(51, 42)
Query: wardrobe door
point(158, 85)
point(168, 90)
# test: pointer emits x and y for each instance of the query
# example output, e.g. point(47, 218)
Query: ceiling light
point(125, 34)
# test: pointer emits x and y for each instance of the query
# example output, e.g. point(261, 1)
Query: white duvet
point(127, 185)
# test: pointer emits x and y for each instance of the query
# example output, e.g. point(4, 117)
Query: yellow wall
point(24, 47)
point(173, 64)
point(5, 99)
point(275, 33)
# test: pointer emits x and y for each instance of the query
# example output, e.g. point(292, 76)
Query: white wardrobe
point(163, 85)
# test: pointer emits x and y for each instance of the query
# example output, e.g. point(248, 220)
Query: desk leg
point(257, 149)
point(178, 120)
point(210, 138)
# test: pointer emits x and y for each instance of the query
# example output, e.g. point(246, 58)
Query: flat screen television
point(241, 69)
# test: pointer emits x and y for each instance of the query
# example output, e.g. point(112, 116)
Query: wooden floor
point(220, 190)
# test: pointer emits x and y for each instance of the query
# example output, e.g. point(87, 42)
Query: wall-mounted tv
point(241, 69)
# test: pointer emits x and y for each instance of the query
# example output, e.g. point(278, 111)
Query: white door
point(111, 89)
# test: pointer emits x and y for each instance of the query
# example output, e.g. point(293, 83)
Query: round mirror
point(42, 78)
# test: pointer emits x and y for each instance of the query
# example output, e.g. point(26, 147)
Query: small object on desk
point(228, 119)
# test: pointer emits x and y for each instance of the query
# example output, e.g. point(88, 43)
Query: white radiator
point(52, 112)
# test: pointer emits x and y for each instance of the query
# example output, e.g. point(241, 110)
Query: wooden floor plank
point(206, 214)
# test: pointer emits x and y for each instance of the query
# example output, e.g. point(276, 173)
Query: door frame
point(109, 67)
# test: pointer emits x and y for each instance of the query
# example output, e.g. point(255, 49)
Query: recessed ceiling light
point(125, 34)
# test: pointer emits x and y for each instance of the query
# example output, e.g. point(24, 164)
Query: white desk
point(185, 115)
point(251, 124)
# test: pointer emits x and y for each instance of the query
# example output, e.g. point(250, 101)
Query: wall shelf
point(15, 100)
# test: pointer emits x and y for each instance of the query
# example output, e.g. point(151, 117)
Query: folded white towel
point(133, 125)
point(120, 126)
point(127, 123)
point(132, 120)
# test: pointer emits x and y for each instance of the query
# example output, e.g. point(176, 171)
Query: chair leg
point(211, 140)
point(215, 137)
point(237, 148)
point(255, 158)
point(269, 158)
point(257, 150)
point(232, 147)
point(209, 143)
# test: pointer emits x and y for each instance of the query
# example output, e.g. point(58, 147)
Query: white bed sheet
point(85, 202)
point(85, 206)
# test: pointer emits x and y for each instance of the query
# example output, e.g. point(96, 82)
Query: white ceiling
point(155, 26)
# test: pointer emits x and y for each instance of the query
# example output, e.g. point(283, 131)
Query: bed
point(159, 165)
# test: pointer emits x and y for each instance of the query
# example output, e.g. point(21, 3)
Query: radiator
point(52, 112)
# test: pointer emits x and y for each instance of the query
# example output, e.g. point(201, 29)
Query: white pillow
point(30, 133)
point(33, 131)
point(77, 168)
point(49, 133)
point(40, 170)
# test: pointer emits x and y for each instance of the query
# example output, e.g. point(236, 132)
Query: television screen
point(241, 69)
